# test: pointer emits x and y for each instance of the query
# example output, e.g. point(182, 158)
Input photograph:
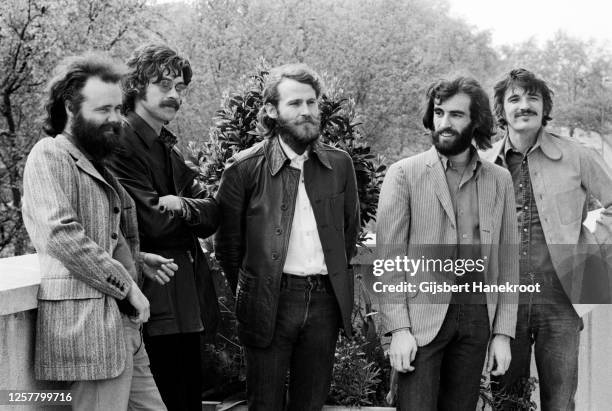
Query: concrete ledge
point(19, 281)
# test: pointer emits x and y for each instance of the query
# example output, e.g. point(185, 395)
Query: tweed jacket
point(563, 174)
point(416, 217)
point(73, 216)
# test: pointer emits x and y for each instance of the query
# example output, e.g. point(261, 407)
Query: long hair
point(299, 72)
point(149, 64)
point(481, 118)
point(525, 79)
point(69, 78)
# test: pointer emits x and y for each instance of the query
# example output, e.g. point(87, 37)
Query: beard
point(98, 140)
point(459, 144)
point(303, 132)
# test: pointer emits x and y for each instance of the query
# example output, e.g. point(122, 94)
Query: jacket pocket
point(244, 294)
point(570, 204)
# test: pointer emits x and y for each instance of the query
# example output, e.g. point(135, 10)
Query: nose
point(444, 121)
point(304, 110)
point(523, 102)
point(114, 116)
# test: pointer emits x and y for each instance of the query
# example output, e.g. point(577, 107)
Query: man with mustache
point(553, 177)
point(83, 225)
point(290, 218)
point(173, 212)
point(446, 204)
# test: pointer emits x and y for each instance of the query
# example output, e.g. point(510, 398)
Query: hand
point(171, 204)
point(402, 351)
point(499, 354)
point(158, 268)
point(140, 304)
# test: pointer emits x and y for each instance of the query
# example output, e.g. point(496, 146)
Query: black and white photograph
point(304, 205)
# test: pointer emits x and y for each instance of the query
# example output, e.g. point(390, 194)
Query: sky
point(513, 21)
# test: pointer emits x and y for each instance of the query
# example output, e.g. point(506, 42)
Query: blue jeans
point(547, 321)
point(448, 369)
point(304, 343)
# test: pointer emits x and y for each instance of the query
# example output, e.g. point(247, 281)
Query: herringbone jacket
point(73, 216)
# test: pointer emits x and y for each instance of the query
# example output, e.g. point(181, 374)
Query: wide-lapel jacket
point(563, 174)
point(73, 216)
point(416, 219)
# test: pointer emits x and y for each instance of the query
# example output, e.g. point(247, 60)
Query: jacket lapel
point(81, 160)
point(437, 178)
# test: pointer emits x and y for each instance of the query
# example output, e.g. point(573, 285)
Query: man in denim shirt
point(553, 177)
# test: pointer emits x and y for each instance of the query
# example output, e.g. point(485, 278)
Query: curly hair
point(149, 64)
point(69, 78)
point(531, 84)
point(482, 124)
point(299, 72)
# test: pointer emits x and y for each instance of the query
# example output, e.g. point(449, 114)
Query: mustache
point(170, 102)
point(447, 130)
point(526, 111)
point(306, 120)
point(114, 126)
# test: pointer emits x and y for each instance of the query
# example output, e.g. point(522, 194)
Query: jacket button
point(274, 256)
point(116, 210)
point(114, 236)
point(284, 207)
point(278, 231)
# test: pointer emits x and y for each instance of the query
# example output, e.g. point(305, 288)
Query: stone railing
point(19, 280)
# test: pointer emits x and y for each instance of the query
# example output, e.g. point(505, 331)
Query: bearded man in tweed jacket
point(446, 207)
point(83, 225)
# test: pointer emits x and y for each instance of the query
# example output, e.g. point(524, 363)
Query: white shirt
point(305, 253)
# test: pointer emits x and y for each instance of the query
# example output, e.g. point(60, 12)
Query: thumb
point(490, 361)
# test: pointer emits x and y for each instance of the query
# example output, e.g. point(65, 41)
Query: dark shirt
point(149, 168)
point(534, 253)
point(461, 180)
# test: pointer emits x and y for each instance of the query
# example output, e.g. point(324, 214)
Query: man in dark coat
point(173, 212)
point(290, 218)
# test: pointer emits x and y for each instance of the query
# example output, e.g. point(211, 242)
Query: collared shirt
point(461, 181)
point(305, 252)
point(534, 253)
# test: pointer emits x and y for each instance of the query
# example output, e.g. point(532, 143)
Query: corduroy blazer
point(73, 216)
point(416, 219)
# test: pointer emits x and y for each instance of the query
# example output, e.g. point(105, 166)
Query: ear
point(271, 111)
point(69, 108)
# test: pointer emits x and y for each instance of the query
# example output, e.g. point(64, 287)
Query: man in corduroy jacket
point(83, 225)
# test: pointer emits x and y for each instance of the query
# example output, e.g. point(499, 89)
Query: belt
point(316, 282)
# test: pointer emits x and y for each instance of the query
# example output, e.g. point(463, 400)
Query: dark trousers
point(176, 367)
point(548, 322)
point(304, 343)
point(448, 369)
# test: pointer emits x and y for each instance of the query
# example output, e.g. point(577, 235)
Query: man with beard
point(173, 211)
point(553, 179)
point(290, 218)
point(446, 204)
point(83, 225)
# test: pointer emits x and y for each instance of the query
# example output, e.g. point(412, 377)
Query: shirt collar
point(146, 132)
point(473, 162)
point(292, 155)
point(509, 146)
